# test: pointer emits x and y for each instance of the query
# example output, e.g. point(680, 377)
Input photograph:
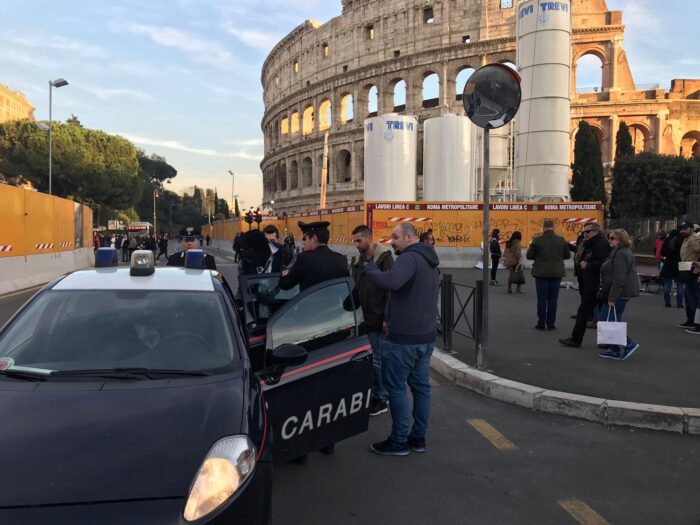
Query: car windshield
point(107, 329)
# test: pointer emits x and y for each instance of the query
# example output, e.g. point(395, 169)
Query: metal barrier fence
point(460, 311)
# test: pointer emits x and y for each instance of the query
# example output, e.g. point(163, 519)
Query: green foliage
point(88, 165)
point(587, 181)
point(650, 185)
point(237, 209)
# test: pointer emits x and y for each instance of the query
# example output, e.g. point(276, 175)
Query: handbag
point(518, 277)
point(612, 332)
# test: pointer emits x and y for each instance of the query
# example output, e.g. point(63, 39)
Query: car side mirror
point(282, 357)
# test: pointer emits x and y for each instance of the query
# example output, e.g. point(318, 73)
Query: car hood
point(78, 442)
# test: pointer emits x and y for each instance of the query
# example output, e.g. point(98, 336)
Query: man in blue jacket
point(406, 350)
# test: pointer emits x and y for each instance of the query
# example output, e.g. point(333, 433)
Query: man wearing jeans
point(548, 251)
point(373, 301)
point(406, 350)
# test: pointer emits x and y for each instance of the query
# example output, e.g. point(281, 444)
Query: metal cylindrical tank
point(448, 169)
point(544, 64)
point(391, 143)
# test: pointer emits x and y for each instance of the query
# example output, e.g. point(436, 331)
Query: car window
point(77, 330)
point(265, 297)
point(319, 319)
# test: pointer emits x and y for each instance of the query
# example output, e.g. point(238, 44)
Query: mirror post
point(483, 343)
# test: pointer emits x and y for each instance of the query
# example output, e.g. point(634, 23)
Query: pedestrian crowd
point(126, 244)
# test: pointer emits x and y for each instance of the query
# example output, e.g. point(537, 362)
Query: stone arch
point(275, 132)
point(398, 92)
point(294, 175)
point(667, 144)
point(346, 108)
point(370, 94)
point(641, 137)
point(294, 123)
point(589, 65)
point(281, 177)
point(462, 75)
point(343, 166)
point(325, 115)
point(284, 127)
point(307, 172)
point(431, 89)
point(690, 145)
point(307, 120)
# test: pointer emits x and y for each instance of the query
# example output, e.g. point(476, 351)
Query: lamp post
point(59, 82)
point(272, 207)
point(233, 186)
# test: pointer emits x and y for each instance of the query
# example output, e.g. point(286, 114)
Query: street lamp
point(59, 82)
point(233, 185)
point(272, 207)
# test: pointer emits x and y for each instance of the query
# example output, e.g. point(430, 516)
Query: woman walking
point(495, 250)
point(619, 283)
point(513, 260)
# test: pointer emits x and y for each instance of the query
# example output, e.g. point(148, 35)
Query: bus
point(140, 229)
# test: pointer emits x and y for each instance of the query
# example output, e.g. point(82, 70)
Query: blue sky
point(181, 78)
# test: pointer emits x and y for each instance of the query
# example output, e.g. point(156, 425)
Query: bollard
point(447, 308)
point(478, 323)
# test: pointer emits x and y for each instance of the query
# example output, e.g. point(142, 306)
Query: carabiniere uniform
point(178, 258)
point(316, 266)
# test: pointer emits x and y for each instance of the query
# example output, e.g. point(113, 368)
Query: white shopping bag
point(612, 332)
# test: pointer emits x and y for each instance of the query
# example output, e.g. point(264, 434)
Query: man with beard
point(373, 301)
point(596, 250)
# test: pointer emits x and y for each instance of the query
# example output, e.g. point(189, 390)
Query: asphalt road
point(489, 462)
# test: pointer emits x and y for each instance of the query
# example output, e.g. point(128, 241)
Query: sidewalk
point(663, 371)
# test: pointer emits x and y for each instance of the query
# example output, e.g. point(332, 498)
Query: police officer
point(317, 263)
point(190, 241)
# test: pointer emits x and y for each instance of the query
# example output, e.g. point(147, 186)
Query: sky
point(181, 78)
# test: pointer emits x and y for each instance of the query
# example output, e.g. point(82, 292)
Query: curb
point(605, 411)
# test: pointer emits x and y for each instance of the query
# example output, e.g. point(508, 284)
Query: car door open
point(326, 398)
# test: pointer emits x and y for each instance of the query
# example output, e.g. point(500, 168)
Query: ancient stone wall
point(379, 55)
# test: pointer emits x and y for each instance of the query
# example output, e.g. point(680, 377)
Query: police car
point(143, 395)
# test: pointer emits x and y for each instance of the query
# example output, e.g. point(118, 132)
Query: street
point(489, 462)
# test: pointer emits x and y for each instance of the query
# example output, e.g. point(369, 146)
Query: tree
point(236, 208)
point(154, 170)
point(88, 165)
point(216, 202)
point(73, 121)
point(624, 148)
point(587, 182)
point(650, 185)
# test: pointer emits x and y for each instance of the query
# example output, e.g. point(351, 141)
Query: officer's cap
point(191, 232)
point(313, 227)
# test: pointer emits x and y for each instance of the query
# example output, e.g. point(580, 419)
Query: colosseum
point(380, 56)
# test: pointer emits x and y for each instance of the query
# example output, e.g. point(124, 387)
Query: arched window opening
point(667, 147)
point(295, 123)
point(308, 121)
point(589, 74)
point(294, 175)
point(372, 101)
point(307, 167)
point(399, 96)
point(324, 115)
point(461, 80)
point(431, 90)
point(284, 126)
point(342, 166)
point(640, 138)
point(690, 145)
point(346, 108)
point(282, 178)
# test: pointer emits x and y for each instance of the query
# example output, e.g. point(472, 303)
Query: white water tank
point(391, 143)
point(448, 169)
point(544, 64)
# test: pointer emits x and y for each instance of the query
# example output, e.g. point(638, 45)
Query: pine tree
point(623, 149)
point(587, 181)
point(216, 203)
point(236, 208)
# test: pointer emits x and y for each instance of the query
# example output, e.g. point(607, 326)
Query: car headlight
point(225, 468)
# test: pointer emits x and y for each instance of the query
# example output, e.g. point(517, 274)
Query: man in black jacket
point(596, 250)
point(373, 301)
point(317, 263)
point(281, 255)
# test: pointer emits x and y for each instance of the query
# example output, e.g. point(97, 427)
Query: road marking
point(581, 512)
point(497, 439)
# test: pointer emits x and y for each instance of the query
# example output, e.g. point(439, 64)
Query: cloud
point(199, 49)
point(246, 142)
point(179, 146)
point(263, 41)
point(59, 43)
point(111, 93)
point(19, 57)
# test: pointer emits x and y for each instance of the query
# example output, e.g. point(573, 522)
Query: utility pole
point(233, 189)
point(155, 195)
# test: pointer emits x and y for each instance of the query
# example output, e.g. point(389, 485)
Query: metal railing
point(460, 311)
